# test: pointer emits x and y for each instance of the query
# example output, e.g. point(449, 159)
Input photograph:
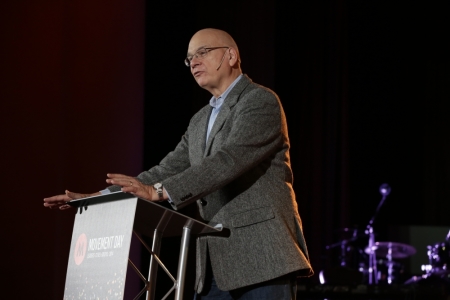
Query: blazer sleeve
point(254, 129)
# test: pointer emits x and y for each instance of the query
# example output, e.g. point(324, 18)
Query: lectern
point(101, 240)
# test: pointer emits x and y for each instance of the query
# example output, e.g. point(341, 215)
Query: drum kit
point(354, 263)
point(362, 260)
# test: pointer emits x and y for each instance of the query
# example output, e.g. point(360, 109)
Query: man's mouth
point(197, 73)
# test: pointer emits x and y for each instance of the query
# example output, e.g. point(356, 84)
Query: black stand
point(384, 191)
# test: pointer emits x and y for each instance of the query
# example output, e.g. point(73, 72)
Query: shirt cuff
point(169, 199)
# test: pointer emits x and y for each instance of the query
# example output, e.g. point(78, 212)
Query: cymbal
point(397, 250)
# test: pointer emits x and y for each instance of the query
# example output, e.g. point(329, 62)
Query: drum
point(439, 257)
point(389, 272)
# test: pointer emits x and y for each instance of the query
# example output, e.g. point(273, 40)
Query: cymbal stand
point(372, 257)
point(390, 264)
point(344, 254)
point(373, 279)
point(343, 245)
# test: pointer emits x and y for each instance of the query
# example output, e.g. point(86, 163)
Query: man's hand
point(133, 186)
point(60, 201)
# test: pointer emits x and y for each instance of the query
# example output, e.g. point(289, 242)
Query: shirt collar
point(217, 102)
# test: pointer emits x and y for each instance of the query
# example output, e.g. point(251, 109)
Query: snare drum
point(389, 272)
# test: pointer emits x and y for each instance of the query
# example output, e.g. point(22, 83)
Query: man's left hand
point(133, 186)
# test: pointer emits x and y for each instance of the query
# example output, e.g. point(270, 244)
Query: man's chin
point(201, 82)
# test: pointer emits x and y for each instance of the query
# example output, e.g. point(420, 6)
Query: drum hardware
point(361, 269)
point(345, 269)
point(438, 258)
point(438, 263)
point(345, 244)
point(390, 251)
point(376, 260)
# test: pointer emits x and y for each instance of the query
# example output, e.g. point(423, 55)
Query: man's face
point(204, 69)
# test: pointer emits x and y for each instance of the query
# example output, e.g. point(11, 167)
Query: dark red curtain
point(71, 90)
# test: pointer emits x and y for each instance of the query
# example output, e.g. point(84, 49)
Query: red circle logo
point(80, 249)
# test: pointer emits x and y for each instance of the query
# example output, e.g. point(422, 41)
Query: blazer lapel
point(227, 105)
point(200, 134)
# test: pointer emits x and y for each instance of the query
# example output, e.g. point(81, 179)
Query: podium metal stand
point(101, 240)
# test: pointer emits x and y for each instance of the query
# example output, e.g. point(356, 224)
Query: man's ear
point(233, 57)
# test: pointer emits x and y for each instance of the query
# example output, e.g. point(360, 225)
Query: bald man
point(233, 162)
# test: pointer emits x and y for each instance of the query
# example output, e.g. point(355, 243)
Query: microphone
point(223, 57)
point(385, 189)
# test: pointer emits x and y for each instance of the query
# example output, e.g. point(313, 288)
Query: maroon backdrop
point(71, 88)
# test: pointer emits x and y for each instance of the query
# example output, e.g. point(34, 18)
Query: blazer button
point(203, 202)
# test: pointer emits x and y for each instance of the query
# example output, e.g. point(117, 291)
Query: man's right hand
point(60, 201)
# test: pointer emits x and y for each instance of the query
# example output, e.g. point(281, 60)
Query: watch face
point(157, 185)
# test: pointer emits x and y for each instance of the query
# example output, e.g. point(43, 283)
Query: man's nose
point(194, 62)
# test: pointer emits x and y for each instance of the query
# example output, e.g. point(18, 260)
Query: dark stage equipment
point(370, 269)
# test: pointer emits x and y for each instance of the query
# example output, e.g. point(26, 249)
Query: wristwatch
point(159, 190)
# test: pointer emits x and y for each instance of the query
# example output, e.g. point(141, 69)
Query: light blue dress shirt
point(216, 103)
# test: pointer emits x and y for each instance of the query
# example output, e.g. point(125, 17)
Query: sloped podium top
point(150, 216)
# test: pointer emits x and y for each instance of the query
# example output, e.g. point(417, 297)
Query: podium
point(101, 241)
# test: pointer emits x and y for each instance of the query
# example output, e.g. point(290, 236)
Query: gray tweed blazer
point(241, 178)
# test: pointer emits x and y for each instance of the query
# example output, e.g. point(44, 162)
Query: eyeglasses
point(200, 54)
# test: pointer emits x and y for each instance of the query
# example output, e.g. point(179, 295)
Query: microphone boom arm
point(384, 190)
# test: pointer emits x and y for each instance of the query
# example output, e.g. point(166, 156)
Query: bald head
point(219, 64)
point(217, 36)
point(214, 37)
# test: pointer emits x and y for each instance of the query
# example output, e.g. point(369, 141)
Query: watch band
point(159, 190)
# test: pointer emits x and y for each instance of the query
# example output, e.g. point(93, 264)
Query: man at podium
point(233, 162)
